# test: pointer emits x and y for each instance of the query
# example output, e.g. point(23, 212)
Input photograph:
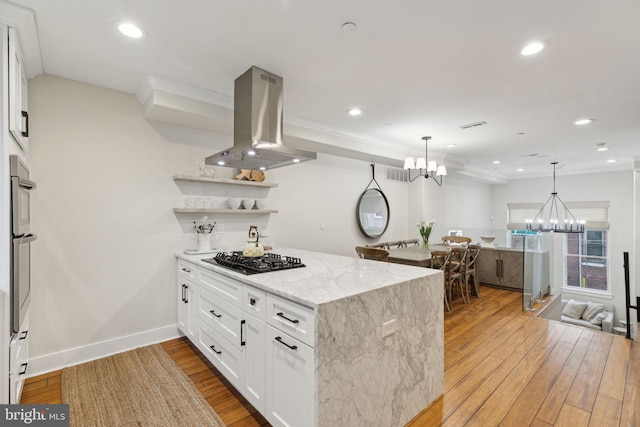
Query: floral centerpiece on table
point(425, 228)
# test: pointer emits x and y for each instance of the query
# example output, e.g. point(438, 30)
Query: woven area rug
point(141, 387)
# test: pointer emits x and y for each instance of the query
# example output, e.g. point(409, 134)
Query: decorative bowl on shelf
point(248, 203)
point(260, 204)
point(488, 240)
point(233, 203)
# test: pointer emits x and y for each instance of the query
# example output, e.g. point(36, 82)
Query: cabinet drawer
point(19, 347)
point(18, 351)
point(228, 289)
point(291, 318)
point(187, 270)
point(220, 315)
point(254, 301)
point(221, 353)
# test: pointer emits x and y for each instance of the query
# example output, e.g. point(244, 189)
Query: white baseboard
point(54, 361)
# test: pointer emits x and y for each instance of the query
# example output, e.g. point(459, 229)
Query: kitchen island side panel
point(367, 379)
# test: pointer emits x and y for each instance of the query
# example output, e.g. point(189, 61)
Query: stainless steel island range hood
point(257, 126)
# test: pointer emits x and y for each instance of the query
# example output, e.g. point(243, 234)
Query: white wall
point(615, 187)
point(458, 204)
point(103, 266)
point(328, 190)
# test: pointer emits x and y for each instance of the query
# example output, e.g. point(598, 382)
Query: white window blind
point(596, 214)
point(518, 213)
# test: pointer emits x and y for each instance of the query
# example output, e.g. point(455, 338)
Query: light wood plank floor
point(502, 368)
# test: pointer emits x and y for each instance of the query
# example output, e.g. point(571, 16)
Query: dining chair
point(455, 273)
point(411, 242)
point(372, 253)
point(377, 245)
point(470, 269)
point(440, 261)
point(457, 240)
point(395, 244)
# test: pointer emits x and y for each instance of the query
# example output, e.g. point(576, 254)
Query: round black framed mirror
point(372, 212)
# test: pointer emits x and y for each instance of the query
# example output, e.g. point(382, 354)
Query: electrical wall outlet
point(220, 228)
point(389, 327)
point(321, 225)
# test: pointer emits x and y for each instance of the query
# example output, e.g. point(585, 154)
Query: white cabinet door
point(253, 336)
point(18, 112)
point(290, 380)
point(187, 308)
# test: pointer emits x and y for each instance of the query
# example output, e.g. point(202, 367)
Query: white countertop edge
point(325, 277)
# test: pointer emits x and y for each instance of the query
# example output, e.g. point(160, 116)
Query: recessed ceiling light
point(519, 170)
point(130, 29)
point(262, 168)
point(611, 161)
point(450, 145)
point(496, 162)
point(251, 153)
point(582, 122)
point(602, 148)
point(354, 112)
point(296, 160)
point(532, 48)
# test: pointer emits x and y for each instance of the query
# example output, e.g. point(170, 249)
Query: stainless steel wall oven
point(21, 237)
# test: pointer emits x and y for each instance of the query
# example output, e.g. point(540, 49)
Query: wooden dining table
point(419, 257)
point(411, 255)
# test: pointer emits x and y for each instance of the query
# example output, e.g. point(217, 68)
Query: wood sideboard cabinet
point(501, 267)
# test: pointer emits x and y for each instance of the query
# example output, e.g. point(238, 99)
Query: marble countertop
point(325, 278)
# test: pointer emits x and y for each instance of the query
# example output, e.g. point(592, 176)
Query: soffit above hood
point(257, 126)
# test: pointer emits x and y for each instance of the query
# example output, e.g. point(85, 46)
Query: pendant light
point(566, 223)
point(426, 168)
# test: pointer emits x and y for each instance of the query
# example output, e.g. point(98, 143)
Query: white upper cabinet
point(18, 102)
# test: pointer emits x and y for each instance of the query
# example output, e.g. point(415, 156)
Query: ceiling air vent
point(396, 174)
point(473, 125)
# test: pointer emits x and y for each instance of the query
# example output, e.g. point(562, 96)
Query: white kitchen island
point(340, 342)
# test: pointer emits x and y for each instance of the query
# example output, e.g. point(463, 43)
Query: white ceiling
point(415, 68)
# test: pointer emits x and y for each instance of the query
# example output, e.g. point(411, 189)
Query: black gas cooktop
point(252, 265)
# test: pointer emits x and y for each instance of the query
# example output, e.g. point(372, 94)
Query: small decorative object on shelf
point(487, 241)
point(425, 231)
point(250, 175)
point(206, 170)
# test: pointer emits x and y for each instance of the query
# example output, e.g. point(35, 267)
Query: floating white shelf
point(223, 181)
point(225, 211)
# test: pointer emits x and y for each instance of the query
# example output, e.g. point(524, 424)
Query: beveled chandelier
point(426, 168)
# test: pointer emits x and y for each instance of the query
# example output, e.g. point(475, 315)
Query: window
point(586, 260)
